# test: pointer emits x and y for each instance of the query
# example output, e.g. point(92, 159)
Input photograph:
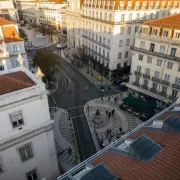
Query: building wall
point(44, 160)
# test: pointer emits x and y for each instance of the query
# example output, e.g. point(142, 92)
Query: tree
point(47, 61)
point(43, 29)
point(22, 34)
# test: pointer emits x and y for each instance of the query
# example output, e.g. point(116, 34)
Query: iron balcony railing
point(158, 54)
point(155, 79)
point(176, 86)
point(136, 84)
point(153, 90)
point(144, 87)
point(165, 82)
point(117, 142)
point(146, 76)
point(137, 73)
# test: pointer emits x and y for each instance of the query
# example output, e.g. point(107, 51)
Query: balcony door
point(152, 46)
point(173, 52)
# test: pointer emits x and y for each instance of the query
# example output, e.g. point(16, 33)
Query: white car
point(61, 46)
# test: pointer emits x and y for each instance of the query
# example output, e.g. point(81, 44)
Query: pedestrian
point(88, 108)
point(110, 131)
point(109, 98)
point(109, 115)
point(69, 116)
point(120, 129)
point(109, 88)
point(106, 113)
point(107, 131)
point(102, 98)
point(113, 111)
point(109, 139)
point(115, 100)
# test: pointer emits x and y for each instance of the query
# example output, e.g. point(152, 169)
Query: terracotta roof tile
point(167, 114)
point(10, 34)
point(14, 81)
point(164, 166)
point(172, 21)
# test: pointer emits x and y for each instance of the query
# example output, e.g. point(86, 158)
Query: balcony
point(165, 82)
point(176, 86)
point(144, 87)
point(162, 94)
point(137, 73)
point(136, 84)
point(172, 97)
point(146, 76)
point(155, 79)
point(153, 90)
point(158, 54)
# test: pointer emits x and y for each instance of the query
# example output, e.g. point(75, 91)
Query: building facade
point(107, 28)
point(52, 13)
point(27, 148)
point(9, 37)
point(155, 68)
point(8, 10)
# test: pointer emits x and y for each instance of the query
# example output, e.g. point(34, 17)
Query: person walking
point(102, 99)
point(113, 111)
point(69, 116)
point(106, 113)
point(109, 98)
point(109, 88)
point(115, 99)
point(109, 115)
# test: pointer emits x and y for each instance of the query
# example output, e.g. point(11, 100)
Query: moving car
point(60, 46)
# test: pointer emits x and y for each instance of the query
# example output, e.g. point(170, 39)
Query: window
point(152, 46)
point(123, 17)
point(154, 86)
point(177, 81)
point(108, 55)
point(154, 32)
point(156, 74)
point(103, 53)
point(165, 33)
point(15, 48)
point(142, 45)
point(173, 52)
point(119, 55)
point(16, 119)
point(104, 40)
point(127, 42)
point(169, 65)
point(137, 79)
point(147, 72)
point(174, 93)
point(145, 82)
point(121, 30)
point(100, 39)
point(130, 17)
point(144, 30)
point(149, 60)
point(126, 54)
point(136, 29)
point(120, 43)
point(129, 30)
point(164, 89)
point(137, 16)
point(100, 15)
point(108, 43)
point(1, 67)
point(32, 175)
point(159, 62)
point(140, 57)
point(110, 17)
point(139, 69)
point(162, 49)
point(25, 152)
point(177, 35)
point(105, 16)
point(166, 77)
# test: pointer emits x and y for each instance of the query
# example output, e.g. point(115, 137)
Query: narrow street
point(73, 91)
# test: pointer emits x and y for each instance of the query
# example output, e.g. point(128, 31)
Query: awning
point(141, 105)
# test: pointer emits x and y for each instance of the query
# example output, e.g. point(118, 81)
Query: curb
point(46, 45)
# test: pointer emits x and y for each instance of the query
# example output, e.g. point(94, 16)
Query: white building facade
point(8, 10)
point(27, 148)
point(107, 28)
point(155, 68)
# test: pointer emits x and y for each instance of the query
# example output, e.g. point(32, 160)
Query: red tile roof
point(164, 166)
point(5, 22)
point(172, 22)
point(167, 114)
point(14, 81)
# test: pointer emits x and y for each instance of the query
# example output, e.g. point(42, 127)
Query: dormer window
point(177, 35)
point(129, 3)
point(144, 30)
point(121, 4)
point(137, 3)
point(165, 33)
point(151, 4)
point(169, 3)
point(163, 4)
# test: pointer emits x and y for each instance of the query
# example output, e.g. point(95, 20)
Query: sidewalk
point(83, 71)
point(65, 142)
point(37, 43)
point(120, 119)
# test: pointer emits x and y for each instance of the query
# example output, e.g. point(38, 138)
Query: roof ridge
point(17, 80)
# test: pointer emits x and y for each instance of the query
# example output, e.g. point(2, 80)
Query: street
point(73, 91)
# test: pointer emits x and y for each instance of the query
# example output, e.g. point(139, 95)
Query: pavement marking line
point(66, 76)
point(75, 107)
point(78, 116)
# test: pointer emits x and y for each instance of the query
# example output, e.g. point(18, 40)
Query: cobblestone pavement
point(121, 119)
point(64, 139)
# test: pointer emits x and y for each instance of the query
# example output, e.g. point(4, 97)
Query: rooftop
point(148, 152)
point(172, 22)
point(10, 34)
point(5, 22)
point(14, 81)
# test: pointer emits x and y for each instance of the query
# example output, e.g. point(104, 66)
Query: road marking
point(75, 107)
point(78, 116)
point(66, 77)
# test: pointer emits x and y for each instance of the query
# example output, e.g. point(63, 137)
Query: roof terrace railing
point(80, 166)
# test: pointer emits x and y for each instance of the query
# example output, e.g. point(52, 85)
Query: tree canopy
point(47, 61)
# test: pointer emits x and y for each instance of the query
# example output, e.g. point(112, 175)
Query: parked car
point(123, 106)
point(60, 46)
